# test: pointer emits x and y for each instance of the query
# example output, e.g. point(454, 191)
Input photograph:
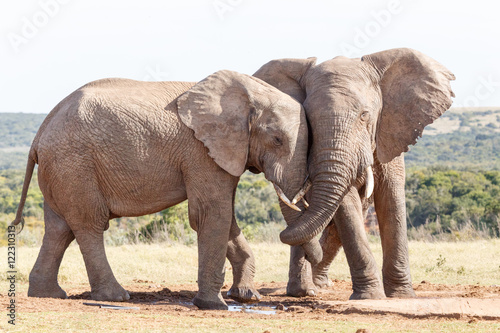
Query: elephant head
point(359, 110)
point(246, 123)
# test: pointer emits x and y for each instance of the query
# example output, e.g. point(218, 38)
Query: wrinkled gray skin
point(362, 112)
point(119, 147)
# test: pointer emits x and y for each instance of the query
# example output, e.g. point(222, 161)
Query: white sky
point(49, 48)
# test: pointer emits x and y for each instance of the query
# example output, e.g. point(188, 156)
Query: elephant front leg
point(242, 260)
point(212, 218)
point(330, 244)
point(300, 282)
point(366, 281)
point(390, 207)
point(304, 280)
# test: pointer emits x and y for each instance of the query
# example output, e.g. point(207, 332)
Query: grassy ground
point(129, 322)
point(447, 263)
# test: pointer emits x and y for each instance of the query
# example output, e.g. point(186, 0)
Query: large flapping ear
point(286, 75)
point(415, 92)
point(218, 109)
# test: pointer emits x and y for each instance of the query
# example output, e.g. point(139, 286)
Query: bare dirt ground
point(437, 302)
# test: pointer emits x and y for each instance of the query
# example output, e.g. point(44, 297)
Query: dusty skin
point(482, 303)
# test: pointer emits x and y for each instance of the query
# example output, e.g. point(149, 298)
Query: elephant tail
point(27, 179)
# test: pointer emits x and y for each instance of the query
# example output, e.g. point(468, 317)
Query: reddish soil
point(462, 302)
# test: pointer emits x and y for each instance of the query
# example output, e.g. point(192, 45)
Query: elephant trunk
point(333, 168)
point(312, 248)
point(325, 200)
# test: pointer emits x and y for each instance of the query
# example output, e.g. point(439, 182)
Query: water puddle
point(254, 308)
point(267, 310)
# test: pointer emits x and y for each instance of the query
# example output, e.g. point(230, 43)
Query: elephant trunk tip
point(313, 251)
point(288, 236)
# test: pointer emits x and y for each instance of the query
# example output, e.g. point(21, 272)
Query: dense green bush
point(447, 200)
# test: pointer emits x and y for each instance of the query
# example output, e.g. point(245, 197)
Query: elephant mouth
point(299, 196)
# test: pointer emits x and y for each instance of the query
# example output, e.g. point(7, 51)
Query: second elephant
point(363, 114)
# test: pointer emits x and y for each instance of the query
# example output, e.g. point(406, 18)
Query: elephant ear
point(217, 109)
point(287, 75)
point(415, 92)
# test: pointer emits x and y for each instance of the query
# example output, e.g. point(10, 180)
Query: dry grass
point(131, 322)
point(450, 263)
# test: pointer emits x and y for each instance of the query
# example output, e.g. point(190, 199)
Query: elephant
point(363, 115)
point(119, 147)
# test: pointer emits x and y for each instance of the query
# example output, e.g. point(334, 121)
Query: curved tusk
point(283, 198)
point(369, 182)
point(306, 204)
point(307, 185)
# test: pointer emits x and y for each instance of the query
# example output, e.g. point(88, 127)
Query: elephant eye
point(277, 141)
point(365, 115)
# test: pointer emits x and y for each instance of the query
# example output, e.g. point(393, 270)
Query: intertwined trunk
point(333, 168)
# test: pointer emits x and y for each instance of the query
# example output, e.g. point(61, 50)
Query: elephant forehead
point(349, 72)
point(342, 92)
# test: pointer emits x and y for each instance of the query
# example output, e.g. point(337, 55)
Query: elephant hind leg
point(103, 284)
point(43, 276)
point(241, 257)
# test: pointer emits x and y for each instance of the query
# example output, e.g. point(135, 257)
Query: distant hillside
point(462, 138)
point(17, 131)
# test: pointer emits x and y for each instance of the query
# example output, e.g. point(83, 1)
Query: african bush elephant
point(118, 147)
point(363, 114)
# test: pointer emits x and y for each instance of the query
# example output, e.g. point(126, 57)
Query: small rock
point(297, 309)
point(363, 330)
point(151, 286)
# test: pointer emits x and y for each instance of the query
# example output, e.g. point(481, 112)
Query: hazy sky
point(49, 48)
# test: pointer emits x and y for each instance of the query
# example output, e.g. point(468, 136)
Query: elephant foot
point(244, 294)
point(322, 281)
point(54, 291)
point(299, 289)
point(407, 292)
point(216, 303)
point(368, 294)
point(114, 293)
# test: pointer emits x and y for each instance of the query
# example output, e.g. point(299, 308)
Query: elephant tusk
point(284, 198)
point(369, 182)
point(307, 185)
point(306, 204)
